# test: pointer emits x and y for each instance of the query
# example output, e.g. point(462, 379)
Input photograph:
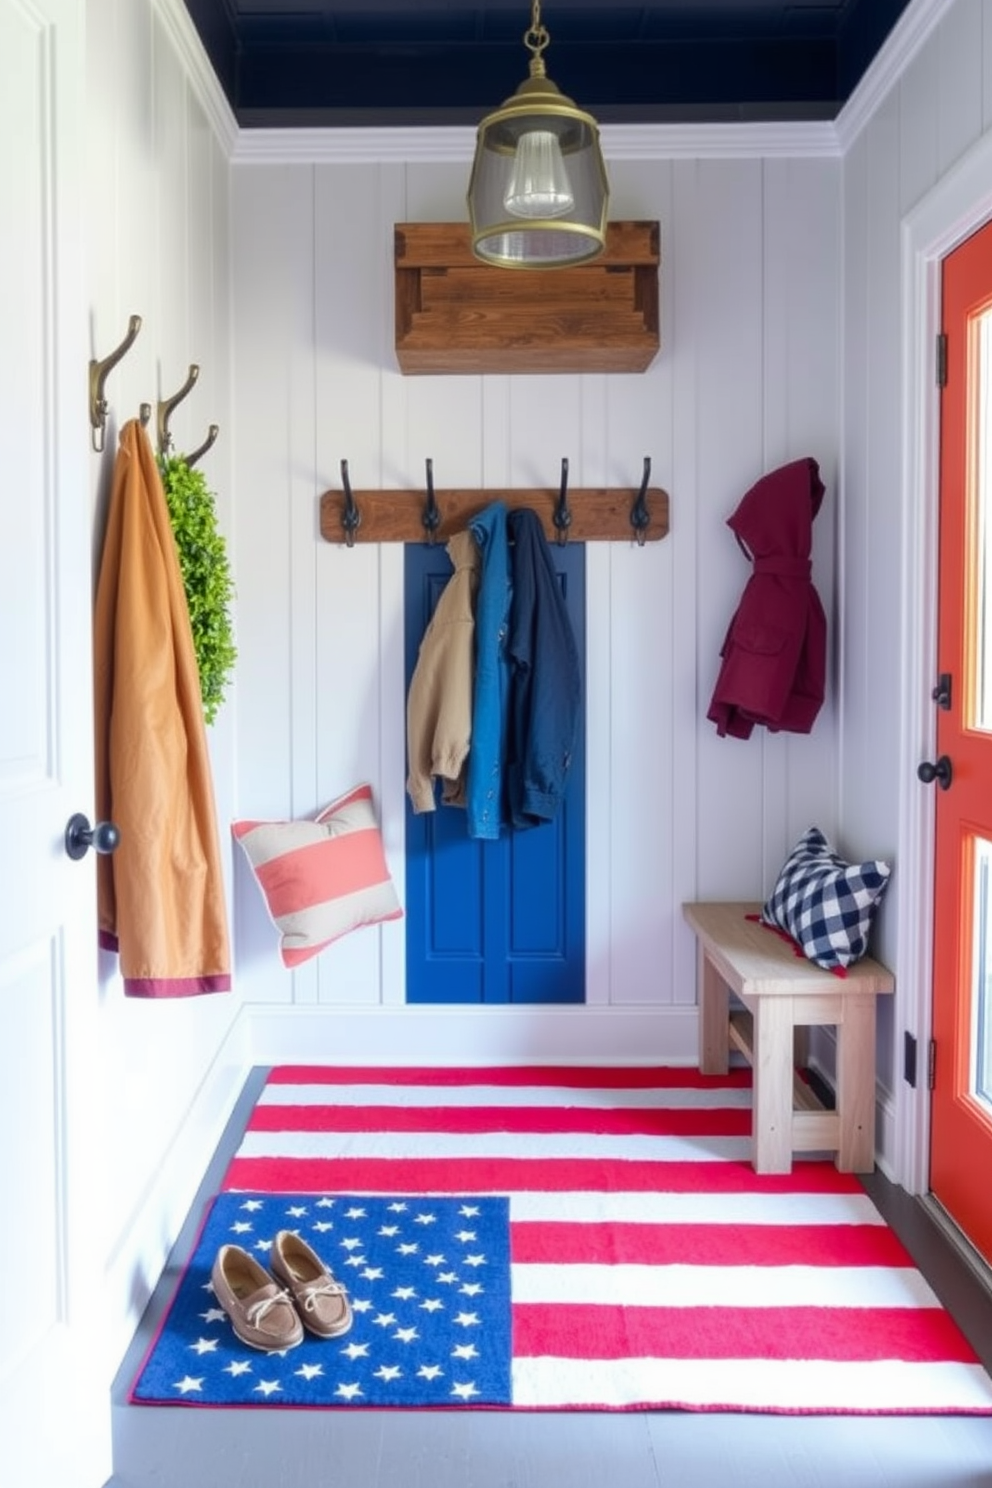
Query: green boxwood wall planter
point(206, 576)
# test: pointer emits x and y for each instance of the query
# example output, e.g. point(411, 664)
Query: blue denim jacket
point(545, 679)
point(484, 792)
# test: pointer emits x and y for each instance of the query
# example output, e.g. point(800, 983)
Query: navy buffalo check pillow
point(826, 904)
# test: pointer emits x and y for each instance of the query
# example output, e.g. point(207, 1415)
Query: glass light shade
point(516, 197)
point(539, 184)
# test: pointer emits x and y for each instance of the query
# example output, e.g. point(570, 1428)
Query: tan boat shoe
point(261, 1313)
point(321, 1301)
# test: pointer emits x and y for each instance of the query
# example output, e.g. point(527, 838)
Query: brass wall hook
point(98, 376)
point(166, 407)
point(201, 449)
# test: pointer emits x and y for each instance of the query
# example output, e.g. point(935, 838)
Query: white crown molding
point(368, 146)
point(908, 36)
point(200, 74)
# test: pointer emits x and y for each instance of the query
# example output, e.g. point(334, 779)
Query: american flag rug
point(559, 1239)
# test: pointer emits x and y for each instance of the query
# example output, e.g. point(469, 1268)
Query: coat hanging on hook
point(773, 660)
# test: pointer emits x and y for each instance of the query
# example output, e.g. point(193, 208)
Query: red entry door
point(961, 1125)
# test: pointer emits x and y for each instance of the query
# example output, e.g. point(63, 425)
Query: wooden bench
point(783, 995)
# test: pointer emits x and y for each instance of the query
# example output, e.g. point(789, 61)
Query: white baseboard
point(444, 1035)
point(139, 1254)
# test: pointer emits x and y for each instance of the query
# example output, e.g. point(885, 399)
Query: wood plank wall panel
point(935, 112)
point(674, 812)
point(157, 245)
point(273, 473)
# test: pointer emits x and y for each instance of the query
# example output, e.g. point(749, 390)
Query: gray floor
point(162, 1447)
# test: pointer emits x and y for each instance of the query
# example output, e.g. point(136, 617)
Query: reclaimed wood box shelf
point(455, 314)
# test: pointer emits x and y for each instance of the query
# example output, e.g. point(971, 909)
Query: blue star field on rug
point(429, 1283)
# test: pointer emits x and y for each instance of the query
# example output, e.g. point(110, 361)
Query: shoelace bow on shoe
point(256, 1311)
point(321, 1289)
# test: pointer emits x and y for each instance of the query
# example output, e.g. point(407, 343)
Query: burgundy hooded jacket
point(773, 669)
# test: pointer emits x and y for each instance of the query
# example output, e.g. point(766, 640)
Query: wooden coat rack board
point(586, 514)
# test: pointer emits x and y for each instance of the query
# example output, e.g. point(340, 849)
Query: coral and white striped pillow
point(321, 877)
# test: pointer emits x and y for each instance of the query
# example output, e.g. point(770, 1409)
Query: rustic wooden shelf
point(457, 315)
point(598, 513)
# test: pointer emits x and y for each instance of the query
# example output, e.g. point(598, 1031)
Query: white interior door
point(54, 1405)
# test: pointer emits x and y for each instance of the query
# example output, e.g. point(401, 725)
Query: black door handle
point(941, 772)
point(80, 836)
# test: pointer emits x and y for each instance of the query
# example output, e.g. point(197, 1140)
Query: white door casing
point(54, 1402)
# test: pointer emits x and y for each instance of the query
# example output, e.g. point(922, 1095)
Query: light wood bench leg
point(856, 1085)
point(772, 1116)
point(714, 1014)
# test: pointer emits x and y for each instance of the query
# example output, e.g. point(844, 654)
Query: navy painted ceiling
point(417, 62)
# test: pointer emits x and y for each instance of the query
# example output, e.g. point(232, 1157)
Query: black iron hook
point(431, 515)
point(351, 517)
point(562, 516)
point(640, 517)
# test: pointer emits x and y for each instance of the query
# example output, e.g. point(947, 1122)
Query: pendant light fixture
point(538, 193)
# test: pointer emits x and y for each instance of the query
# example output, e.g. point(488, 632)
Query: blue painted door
point(503, 921)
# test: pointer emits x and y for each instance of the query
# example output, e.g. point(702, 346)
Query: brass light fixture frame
point(536, 98)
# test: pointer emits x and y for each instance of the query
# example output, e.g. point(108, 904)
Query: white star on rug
point(186, 1385)
point(469, 1210)
point(410, 1248)
point(268, 1387)
point(465, 1235)
point(464, 1392)
point(204, 1345)
point(426, 1219)
point(475, 1260)
point(310, 1371)
point(471, 1289)
point(429, 1372)
point(403, 1294)
point(348, 1392)
point(236, 1367)
point(214, 1315)
point(406, 1335)
point(241, 1227)
point(356, 1350)
point(448, 1276)
point(350, 1244)
point(326, 1203)
point(385, 1319)
point(432, 1304)
point(434, 1260)
point(464, 1351)
point(355, 1213)
point(297, 1211)
point(397, 1208)
point(373, 1273)
point(467, 1319)
point(389, 1229)
point(252, 1204)
point(388, 1372)
point(322, 1225)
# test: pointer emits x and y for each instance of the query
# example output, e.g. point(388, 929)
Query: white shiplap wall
point(748, 377)
point(158, 245)
point(899, 155)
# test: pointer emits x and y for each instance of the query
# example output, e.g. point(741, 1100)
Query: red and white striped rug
point(650, 1267)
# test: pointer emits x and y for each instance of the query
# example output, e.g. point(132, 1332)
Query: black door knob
point(941, 772)
point(80, 836)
